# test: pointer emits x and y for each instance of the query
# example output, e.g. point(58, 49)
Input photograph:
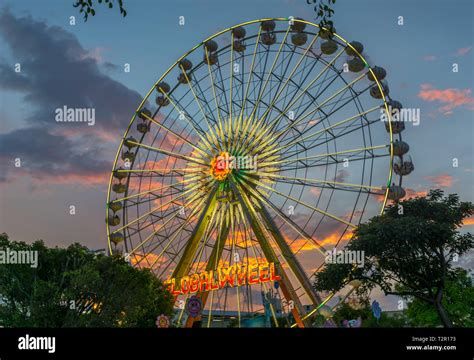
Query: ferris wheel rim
point(145, 99)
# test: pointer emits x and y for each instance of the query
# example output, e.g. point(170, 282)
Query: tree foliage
point(87, 7)
point(74, 288)
point(409, 251)
point(458, 300)
point(323, 11)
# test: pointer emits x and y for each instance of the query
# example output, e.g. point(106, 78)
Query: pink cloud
point(450, 98)
point(442, 180)
point(463, 51)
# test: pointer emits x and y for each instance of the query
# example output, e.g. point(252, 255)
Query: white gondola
point(186, 64)
point(113, 220)
point(162, 101)
point(297, 25)
point(269, 38)
point(116, 238)
point(239, 46)
point(119, 188)
point(356, 64)
point(299, 39)
point(379, 73)
point(130, 142)
point(115, 206)
point(400, 148)
point(404, 167)
point(375, 91)
point(144, 112)
point(210, 59)
point(355, 45)
point(211, 46)
point(326, 33)
point(328, 47)
point(119, 175)
point(183, 78)
point(239, 32)
point(268, 25)
point(163, 87)
point(396, 193)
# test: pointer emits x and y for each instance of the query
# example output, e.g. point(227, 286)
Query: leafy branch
point(86, 7)
point(324, 12)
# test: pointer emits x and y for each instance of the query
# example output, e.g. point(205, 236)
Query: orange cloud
point(442, 180)
point(468, 221)
point(411, 193)
point(451, 98)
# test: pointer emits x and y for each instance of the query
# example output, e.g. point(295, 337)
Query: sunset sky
point(82, 65)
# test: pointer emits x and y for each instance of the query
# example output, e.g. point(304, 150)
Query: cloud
point(463, 51)
point(441, 181)
point(48, 157)
point(450, 98)
point(429, 58)
point(468, 221)
point(412, 193)
point(57, 71)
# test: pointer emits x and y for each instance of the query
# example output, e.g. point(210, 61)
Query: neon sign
point(235, 275)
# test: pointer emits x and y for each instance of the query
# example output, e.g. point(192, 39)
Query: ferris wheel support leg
point(213, 260)
point(192, 245)
point(289, 257)
point(286, 287)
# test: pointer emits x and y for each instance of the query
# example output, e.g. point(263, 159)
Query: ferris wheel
point(254, 154)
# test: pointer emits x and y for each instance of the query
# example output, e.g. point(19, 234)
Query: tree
point(74, 288)
point(408, 251)
point(458, 301)
point(86, 7)
point(347, 312)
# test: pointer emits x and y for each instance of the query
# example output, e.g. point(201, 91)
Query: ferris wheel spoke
point(259, 183)
point(176, 233)
point(264, 200)
point(162, 172)
point(211, 76)
point(170, 153)
point(257, 42)
point(305, 181)
point(285, 84)
point(292, 125)
point(176, 135)
point(270, 73)
point(157, 208)
point(175, 214)
point(295, 98)
point(276, 121)
point(151, 191)
point(197, 129)
point(340, 135)
point(364, 149)
point(305, 138)
point(195, 255)
point(209, 127)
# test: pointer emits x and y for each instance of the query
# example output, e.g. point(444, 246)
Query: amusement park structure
point(255, 153)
